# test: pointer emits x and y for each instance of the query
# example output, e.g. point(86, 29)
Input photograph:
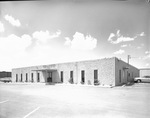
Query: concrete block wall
point(108, 72)
point(66, 68)
point(127, 75)
point(27, 70)
point(105, 68)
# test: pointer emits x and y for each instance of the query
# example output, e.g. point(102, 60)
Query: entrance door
point(16, 77)
point(49, 79)
point(82, 76)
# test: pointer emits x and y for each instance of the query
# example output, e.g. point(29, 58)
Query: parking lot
point(61, 101)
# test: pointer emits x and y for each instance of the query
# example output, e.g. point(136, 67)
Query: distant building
point(107, 71)
point(144, 71)
point(4, 74)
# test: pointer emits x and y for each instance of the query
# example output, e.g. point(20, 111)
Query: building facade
point(107, 71)
point(4, 74)
point(144, 72)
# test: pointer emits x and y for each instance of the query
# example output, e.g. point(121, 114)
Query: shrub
point(82, 82)
point(96, 82)
point(70, 80)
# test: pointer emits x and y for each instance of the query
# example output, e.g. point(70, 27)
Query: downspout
point(115, 73)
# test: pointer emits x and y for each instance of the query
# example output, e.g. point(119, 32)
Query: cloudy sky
point(55, 31)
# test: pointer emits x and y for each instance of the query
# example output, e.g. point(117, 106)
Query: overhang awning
point(124, 68)
point(45, 70)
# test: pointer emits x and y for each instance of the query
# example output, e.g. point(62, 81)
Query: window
point(71, 74)
point(26, 77)
point(49, 79)
point(21, 78)
point(32, 77)
point(120, 76)
point(61, 75)
point(95, 76)
point(50, 74)
point(16, 77)
point(71, 77)
point(82, 76)
point(38, 77)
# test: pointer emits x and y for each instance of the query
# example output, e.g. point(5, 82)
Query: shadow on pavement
point(49, 83)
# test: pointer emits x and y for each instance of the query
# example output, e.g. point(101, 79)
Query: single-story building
point(107, 71)
point(144, 72)
point(4, 74)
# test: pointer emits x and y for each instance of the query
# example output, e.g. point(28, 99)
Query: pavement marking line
point(31, 112)
point(4, 101)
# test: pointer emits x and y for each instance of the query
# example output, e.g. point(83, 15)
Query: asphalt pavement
point(73, 101)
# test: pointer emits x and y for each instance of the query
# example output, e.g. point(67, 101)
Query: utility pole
point(129, 57)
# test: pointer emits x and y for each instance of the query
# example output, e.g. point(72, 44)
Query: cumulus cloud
point(147, 64)
point(139, 47)
point(43, 36)
point(146, 57)
point(111, 36)
point(81, 42)
point(123, 45)
point(13, 51)
point(11, 20)
point(14, 44)
point(118, 38)
point(2, 29)
point(68, 41)
point(147, 52)
point(41, 54)
point(119, 52)
point(142, 34)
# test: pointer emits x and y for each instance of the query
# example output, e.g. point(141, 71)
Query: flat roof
point(68, 62)
point(44, 70)
point(144, 69)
